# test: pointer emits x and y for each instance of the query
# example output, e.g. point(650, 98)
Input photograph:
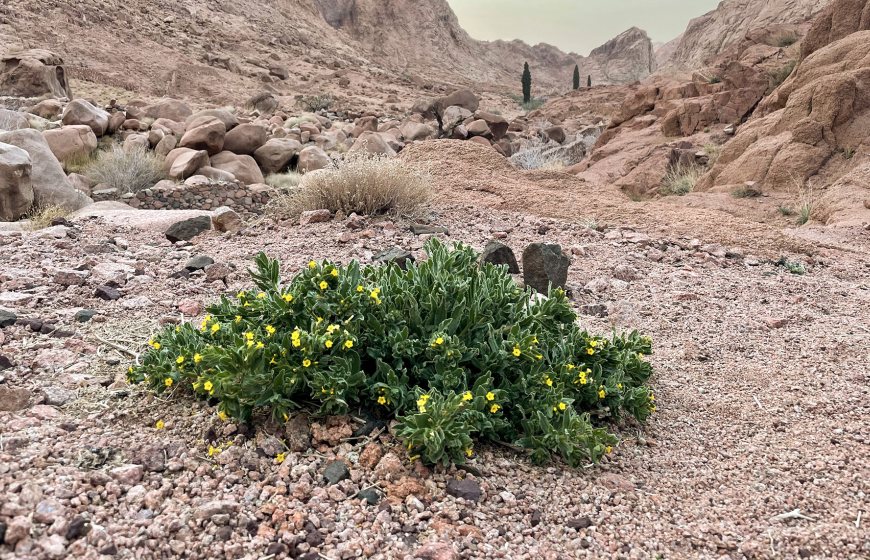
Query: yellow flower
point(179, 360)
point(421, 403)
point(490, 396)
point(608, 450)
point(439, 341)
point(517, 351)
point(306, 362)
point(328, 344)
point(168, 382)
point(602, 393)
point(287, 297)
point(360, 289)
point(261, 295)
point(279, 458)
point(348, 344)
point(494, 408)
point(562, 406)
point(238, 318)
point(159, 425)
point(382, 400)
point(323, 285)
point(215, 328)
point(570, 366)
point(154, 345)
point(590, 351)
point(286, 417)
point(549, 382)
point(593, 343)
point(260, 346)
point(222, 416)
point(539, 357)
point(249, 336)
point(270, 329)
point(619, 386)
point(467, 396)
point(242, 294)
point(312, 265)
point(197, 358)
point(469, 452)
point(652, 398)
point(334, 272)
point(296, 343)
point(208, 386)
point(212, 451)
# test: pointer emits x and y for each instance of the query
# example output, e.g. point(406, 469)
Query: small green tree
point(576, 77)
point(527, 83)
point(589, 80)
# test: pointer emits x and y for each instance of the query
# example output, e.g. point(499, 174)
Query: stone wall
point(205, 196)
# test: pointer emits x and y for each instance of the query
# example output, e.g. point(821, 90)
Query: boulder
point(243, 167)
point(246, 138)
point(185, 230)
point(545, 265)
point(556, 134)
point(263, 103)
point(33, 73)
point(230, 121)
point(50, 184)
point(13, 120)
point(169, 108)
point(478, 128)
point(454, 116)
point(16, 191)
point(413, 131)
point(364, 124)
point(68, 142)
point(47, 108)
point(497, 124)
point(169, 126)
point(214, 174)
point(464, 98)
point(82, 112)
point(136, 142)
point(372, 143)
point(225, 219)
point(165, 145)
point(204, 133)
point(498, 253)
point(182, 163)
point(312, 158)
point(277, 154)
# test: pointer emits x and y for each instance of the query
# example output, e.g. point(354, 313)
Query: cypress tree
point(576, 77)
point(589, 80)
point(527, 83)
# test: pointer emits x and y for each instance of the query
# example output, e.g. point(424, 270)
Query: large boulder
point(50, 184)
point(168, 108)
point(16, 191)
point(545, 266)
point(33, 73)
point(243, 167)
point(13, 120)
point(71, 142)
point(204, 133)
point(413, 131)
point(81, 112)
point(312, 158)
point(182, 163)
point(372, 143)
point(230, 121)
point(245, 138)
point(497, 124)
point(464, 98)
point(277, 154)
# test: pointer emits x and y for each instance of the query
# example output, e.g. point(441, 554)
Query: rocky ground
point(759, 448)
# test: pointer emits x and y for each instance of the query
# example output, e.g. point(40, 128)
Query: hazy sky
point(576, 25)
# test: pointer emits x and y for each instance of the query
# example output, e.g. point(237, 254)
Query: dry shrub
point(284, 181)
point(129, 171)
point(538, 155)
point(366, 185)
point(41, 215)
point(681, 179)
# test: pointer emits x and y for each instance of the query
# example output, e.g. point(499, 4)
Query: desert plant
point(848, 153)
point(681, 179)
point(536, 155)
point(795, 267)
point(284, 181)
point(715, 80)
point(785, 210)
point(779, 75)
point(712, 151)
point(576, 77)
point(361, 184)
point(452, 350)
point(746, 191)
point(589, 80)
point(785, 39)
point(805, 212)
point(128, 171)
point(527, 83)
point(42, 215)
point(314, 103)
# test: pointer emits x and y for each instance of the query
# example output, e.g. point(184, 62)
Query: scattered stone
point(579, 523)
point(437, 551)
point(57, 396)
point(465, 488)
point(545, 265)
point(594, 309)
point(426, 229)
point(199, 262)
point(498, 253)
point(127, 474)
point(315, 217)
point(185, 230)
point(107, 293)
point(336, 471)
point(371, 495)
point(78, 527)
point(218, 507)
point(7, 318)
point(13, 398)
point(225, 219)
point(395, 255)
point(84, 315)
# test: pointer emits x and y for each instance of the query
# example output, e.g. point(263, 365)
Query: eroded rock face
point(627, 57)
point(33, 73)
point(16, 191)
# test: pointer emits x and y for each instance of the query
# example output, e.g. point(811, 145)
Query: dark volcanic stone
point(199, 262)
point(579, 523)
point(498, 253)
point(185, 230)
point(426, 229)
point(395, 255)
point(85, 315)
point(466, 488)
point(107, 293)
point(7, 318)
point(543, 265)
point(370, 495)
point(335, 472)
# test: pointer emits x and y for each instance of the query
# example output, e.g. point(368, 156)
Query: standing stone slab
point(545, 264)
point(498, 253)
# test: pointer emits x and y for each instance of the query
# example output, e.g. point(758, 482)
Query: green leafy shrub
point(455, 351)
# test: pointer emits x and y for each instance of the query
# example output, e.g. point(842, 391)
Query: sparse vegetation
point(795, 267)
point(362, 184)
point(453, 351)
point(128, 171)
point(848, 153)
point(780, 75)
point(746, 191)
point(284, 181)
point(314, 103)
point(536, 155)
point(535, 103)
point(527, 84)
point(806, 201)
point(785, 39)
point(42, 215)
point(576, 77)
point(805, 212)
point(712, 151)
point(78, 163)
point(715, 80)
point(786, 210)
point(681, 179)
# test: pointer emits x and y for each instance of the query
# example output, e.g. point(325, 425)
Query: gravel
point(762, 387)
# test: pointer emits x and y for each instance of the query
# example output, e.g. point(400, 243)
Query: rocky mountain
point(708, 35)
point(224, 51)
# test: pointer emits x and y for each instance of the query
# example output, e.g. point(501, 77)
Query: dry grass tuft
point(127, 171)
point(42, 215)
point(284, 181)
point(365, 185)
point(681, 179)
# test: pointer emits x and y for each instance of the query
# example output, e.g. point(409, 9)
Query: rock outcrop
point(16, 191)
point(33, 73)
